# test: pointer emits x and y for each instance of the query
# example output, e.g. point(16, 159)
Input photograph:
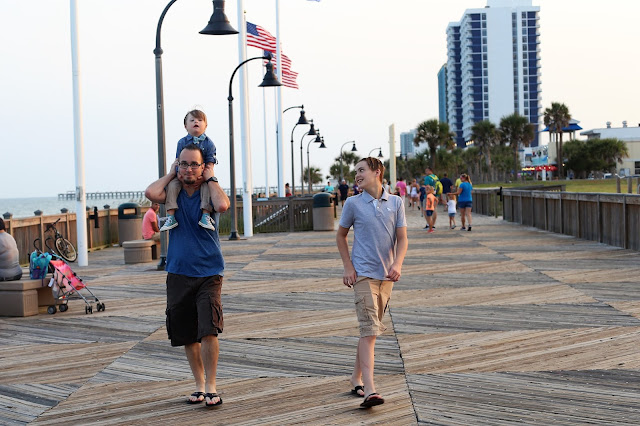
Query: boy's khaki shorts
point(371, 299)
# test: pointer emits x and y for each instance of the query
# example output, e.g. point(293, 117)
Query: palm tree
point(348, 158)
point(485, 136)
point(316, 176)
point(557, 118)
point(435, 134)
point(516, 130)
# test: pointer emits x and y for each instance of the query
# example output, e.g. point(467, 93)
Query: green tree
point(435, 134)
point(595, 155)
point(349, 158)
point(485, 136)
point(516, 131)
point(557, 118)
point(316, 176)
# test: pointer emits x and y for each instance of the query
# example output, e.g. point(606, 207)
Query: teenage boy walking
point(379, 246)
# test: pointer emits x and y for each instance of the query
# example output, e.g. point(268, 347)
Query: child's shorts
point(452, 215)
point(429, 212)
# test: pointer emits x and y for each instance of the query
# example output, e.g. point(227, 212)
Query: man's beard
point(189, 180)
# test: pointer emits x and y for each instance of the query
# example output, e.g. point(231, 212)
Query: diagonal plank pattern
point(501, 325)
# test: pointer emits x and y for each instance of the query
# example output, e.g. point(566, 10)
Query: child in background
point(451, 209)
point(195, 122)
point(423, 202)
point(432, 202)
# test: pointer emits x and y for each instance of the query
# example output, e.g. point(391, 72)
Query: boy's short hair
point(196, 113)
point(375, 164)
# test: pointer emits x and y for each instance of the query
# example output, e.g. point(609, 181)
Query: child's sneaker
point(170, 223)
point(469, 229)
point(431, 231)
point(207, 222)
point(463, 229)
point(453, 227)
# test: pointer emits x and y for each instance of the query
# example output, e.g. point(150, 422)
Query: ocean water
point(25, 207)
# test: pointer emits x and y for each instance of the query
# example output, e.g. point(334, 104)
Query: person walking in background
point(343, 188)
point(401, 187)
point(451, 209)
point(328, 187)
point(414, 194)
point(10, 269)
point(150, 230)
point(356, 188)
point(386, 186)
point(423, 201)
point(379, 247)
point(430, 179)
point(287, 190)
point(465, 201)
point(446, 189)
point(430, 209)
point(195, 267)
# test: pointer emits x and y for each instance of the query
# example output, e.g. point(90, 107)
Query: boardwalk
point(501, 325)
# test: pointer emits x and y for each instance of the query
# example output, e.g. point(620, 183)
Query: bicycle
point(63, 247)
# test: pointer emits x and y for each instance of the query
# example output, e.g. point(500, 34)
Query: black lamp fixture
point(218, 23)
point(303, 119)
point(379, 152)
point(269, 80)
point(312, 132)
point(353, 149)
point(317, 139)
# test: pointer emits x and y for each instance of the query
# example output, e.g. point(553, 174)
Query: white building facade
point(407, 148)
point(630, 135)
point(493, 66)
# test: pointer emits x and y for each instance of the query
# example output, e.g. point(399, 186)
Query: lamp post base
point(233, 236)
point(162, 263)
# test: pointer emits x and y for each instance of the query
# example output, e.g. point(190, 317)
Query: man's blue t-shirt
point(207, 146)
point(465, 195)
point(193, 250)
point(446, 185)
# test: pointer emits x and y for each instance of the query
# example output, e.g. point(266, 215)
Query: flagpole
point(81, 202)
point(245, 134)
point(266, 156)
point(279, 112)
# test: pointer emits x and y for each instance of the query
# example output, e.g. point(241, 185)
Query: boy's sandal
point(369, 401)
point(211, 396)
point(355, 390)
point(197, 395)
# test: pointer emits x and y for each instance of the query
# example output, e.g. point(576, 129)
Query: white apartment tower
point(493, 66)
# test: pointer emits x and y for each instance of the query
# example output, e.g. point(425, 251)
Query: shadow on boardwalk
point(500, 325)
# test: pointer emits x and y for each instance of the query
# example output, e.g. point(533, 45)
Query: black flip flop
point(355, 390)
point(370, 402)
point(197, 395)
point(211, 396)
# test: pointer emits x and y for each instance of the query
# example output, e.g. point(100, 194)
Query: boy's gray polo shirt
point(374, 231)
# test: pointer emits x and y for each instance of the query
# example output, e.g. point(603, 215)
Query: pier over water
point(71, 195)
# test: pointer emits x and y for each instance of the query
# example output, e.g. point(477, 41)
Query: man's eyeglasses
point(184, 165)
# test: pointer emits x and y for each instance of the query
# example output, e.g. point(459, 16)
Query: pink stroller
point(66, 285)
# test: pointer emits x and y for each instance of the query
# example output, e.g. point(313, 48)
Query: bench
point(22, 298)
point(139, 251)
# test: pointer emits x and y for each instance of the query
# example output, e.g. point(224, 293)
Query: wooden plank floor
point(505, 324)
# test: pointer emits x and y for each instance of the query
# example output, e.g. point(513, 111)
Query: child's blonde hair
point(429, 188)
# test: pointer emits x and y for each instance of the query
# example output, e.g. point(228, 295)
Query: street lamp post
point(269, 80)
point(379, 153)
point(317, 139)
point(218, 25)
point(312, 132)
point(301, 120)
point(353, 149)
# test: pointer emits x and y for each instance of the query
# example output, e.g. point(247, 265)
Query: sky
point(363, 65)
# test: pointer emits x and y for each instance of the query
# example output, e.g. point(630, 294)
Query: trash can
point(129, 222)
point(322, 212)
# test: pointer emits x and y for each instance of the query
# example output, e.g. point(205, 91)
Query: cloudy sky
point(362, 64)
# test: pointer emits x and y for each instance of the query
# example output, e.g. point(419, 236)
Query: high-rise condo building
point(493, 66)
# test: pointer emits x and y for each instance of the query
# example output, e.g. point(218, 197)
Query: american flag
point(260, 38)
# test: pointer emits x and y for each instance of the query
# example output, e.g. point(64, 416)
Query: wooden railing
point(291, 214)
point(612, 219)
point(488, 201)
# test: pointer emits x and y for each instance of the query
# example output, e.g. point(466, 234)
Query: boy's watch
point(212, 179)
